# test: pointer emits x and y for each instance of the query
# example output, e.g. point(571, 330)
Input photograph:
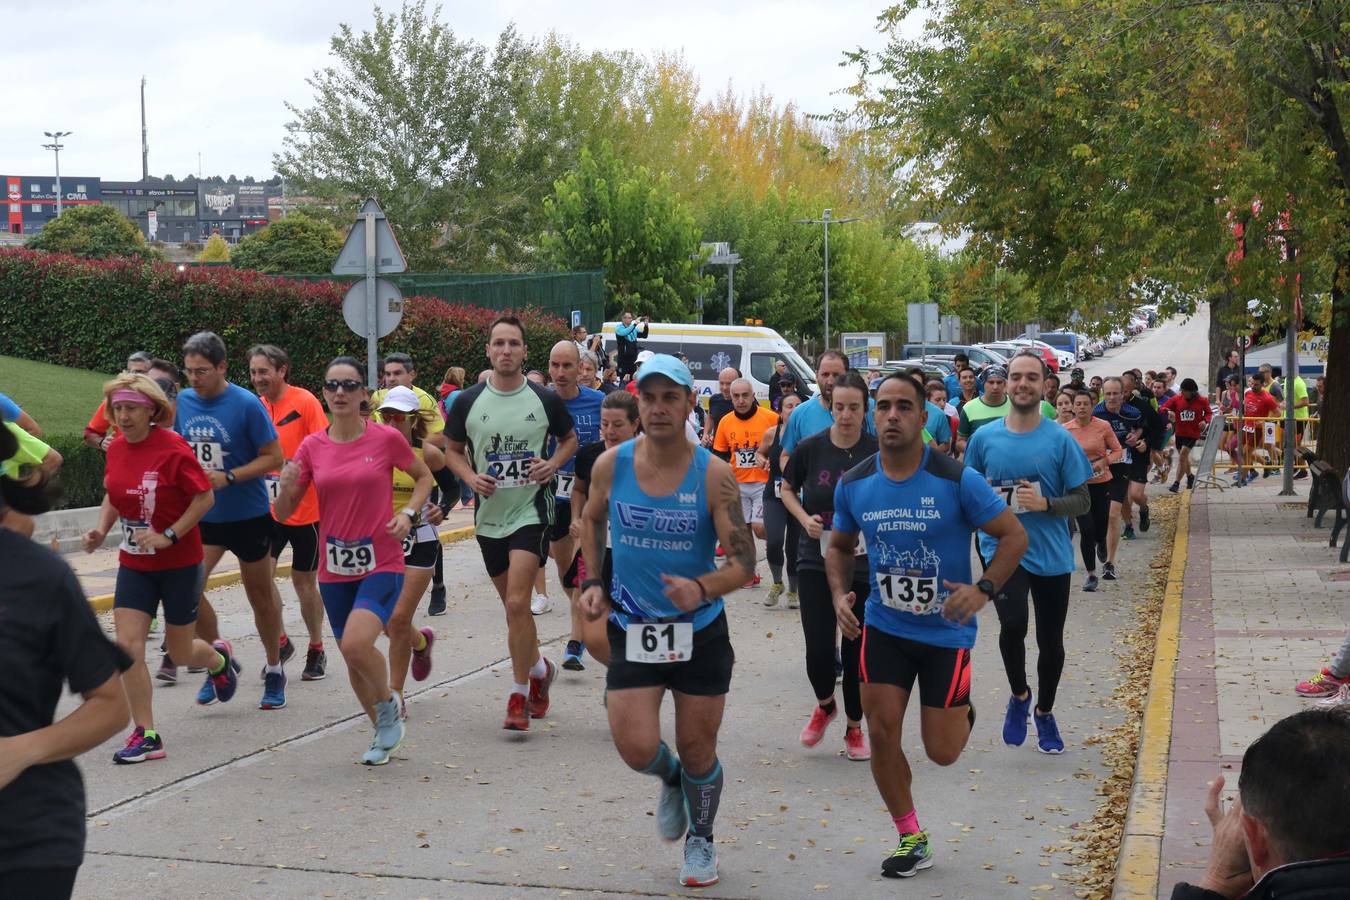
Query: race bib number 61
point(659, 642)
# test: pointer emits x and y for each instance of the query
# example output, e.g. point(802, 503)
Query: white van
point(711, 348)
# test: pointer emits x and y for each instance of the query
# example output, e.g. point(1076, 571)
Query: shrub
point(90, 314)
point(297, 243)
point(216, 250)
point(81, 474)
point(94, 232)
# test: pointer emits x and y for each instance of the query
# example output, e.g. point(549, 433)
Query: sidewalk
point(1264, 603)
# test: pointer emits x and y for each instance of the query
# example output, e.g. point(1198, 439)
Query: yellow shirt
point(435, 424)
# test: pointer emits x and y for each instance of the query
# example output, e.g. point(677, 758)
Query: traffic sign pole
point(372, 311)
point(371, 249)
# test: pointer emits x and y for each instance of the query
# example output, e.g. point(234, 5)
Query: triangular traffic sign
point(388, 257)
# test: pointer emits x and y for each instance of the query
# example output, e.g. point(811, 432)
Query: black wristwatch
point(986, 586)
point(229, 477)
point(171, 535)
point(592, 582)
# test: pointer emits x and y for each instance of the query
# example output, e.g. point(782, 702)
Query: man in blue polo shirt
point(814, 416)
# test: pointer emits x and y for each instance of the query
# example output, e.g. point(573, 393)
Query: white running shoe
point(541, 604)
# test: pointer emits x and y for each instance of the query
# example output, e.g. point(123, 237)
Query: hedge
point(91, 314)
point(81, 474)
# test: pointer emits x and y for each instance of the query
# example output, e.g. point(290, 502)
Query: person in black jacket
point(1287, 834)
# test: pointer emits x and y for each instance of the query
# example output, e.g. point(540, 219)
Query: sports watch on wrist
point(986, 587)
point(171, 535)
point(410, 513)
point(229, 476)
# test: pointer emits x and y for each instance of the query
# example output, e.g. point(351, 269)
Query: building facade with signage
point(163, 213)
point(30, 200)
point(230, 210)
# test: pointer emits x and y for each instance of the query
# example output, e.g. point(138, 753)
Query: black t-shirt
point(586, 458)
point(815, 467)
point(49, 637)
point(718, 406)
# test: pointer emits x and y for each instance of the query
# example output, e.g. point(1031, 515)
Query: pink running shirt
point(355, 484)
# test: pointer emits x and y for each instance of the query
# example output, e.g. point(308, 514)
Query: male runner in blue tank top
point(916, 509)
point(667, 502)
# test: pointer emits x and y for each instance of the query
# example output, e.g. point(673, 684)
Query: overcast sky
point(219, 75)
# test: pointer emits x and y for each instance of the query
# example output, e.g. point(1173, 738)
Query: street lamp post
point(719, 254)
point(826, 220)
point(56, 146)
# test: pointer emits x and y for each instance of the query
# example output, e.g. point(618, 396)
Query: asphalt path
point(273, 803)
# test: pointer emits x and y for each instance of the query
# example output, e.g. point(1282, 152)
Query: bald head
point(563, 360)
point(742, 395)
point(724, 380)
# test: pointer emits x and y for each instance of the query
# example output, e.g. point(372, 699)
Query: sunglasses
point(350, 385)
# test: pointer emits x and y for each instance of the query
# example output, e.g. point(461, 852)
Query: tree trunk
point(1221, 335)
point(1333, 442)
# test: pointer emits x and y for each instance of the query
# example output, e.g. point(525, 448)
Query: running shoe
point(855, 744)
point(1340, 698)
point(1175, 488)
point(207, 694)
point(1047, 734)
point(1015, 721)
point(540, 604)
point(1323, 684)
point(388, 725)
point(1101, 551)
point(437, 605)
point(227, 681)
point(1190, 481)
point(1091, 584)
point(672, 816)
point(1143, 519)
point(1108, 571)
point(196, 670)
point(720, 552)
point(700, 863)
point(315, 662)
point(376, 755)
point(816, 725)
point(1128, 533)
point(539, 689)
point(139, 748)
point(572, 656)
point(274, 690)
point(793, 601)
point(421, 659)
point(516, 718)
point(754, 581)
point(287, 648)
point(775, 591)
point(168, 672)
point(909, 856)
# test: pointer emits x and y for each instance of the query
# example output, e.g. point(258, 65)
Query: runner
point(720, 404)
point(583, 404)
point(991, 407)
point(403, 412)
point(1155, 428)
point(296, 414)
point(739, 435)
point(1099, 444)
point(351, 465)
point(665, 501)
point(916, 511)
point(1257, 404)
point(501, 449)
point(618, 423)
point(1127, 425)
point(1189, 414)
point(1042, 474)
point(1064, 407)
point(815, 469)
point(1162, 454)
point(815, 415)
point(159, 492)
point(235, 442)
point(98, 433)
point(781, 531)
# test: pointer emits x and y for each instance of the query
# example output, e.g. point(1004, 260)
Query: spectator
point(579, 338)
point(588, 374)
point(451, 385)
point(1229, 368)
point(52, 640)
point(775, 380)
point(596, 344)
point(627, 334)
point(631, 386)
point(1286, 834)
point(787, 386)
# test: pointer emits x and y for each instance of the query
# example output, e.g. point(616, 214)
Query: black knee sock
point(665, 765)
point(438, 576)
point(703, 794)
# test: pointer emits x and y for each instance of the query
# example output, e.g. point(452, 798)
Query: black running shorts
point(248, 539)
point(497, 551)
point(706, 674)
point(304, 541)
point(943, 672)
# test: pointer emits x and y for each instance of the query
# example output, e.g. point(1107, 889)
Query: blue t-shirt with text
point(1049, 455)
point(585, 410)
point(226, 432)
point(811, 417)
point(918, 536)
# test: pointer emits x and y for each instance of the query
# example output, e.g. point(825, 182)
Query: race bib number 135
point(906, 592)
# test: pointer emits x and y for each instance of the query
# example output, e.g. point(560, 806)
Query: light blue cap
point(669, 366)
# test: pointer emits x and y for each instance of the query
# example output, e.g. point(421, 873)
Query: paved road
point(273, 804)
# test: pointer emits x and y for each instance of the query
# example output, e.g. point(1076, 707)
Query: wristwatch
point(986, 587)
point(171, 535)
point(592, 582)
point(410, 513)
point(229, 476)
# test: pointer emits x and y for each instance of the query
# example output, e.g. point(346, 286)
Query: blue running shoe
point(572, 656)
point(139, 748)
point(376, 755)
point(700, 863)
point(228, 680)
point(207, 695)
point(1015, 721)
point(274, 690)
point(388, 724)
point(672, 816)
point(1047, 734)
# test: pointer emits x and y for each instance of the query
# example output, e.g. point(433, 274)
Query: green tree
point(94, 232)
point(216, 250)
point(297, 243)
point(625, 220)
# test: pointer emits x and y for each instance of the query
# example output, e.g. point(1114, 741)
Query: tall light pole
point(56, 147)
point(719, 254)
point(826, 220)
point(145, 143)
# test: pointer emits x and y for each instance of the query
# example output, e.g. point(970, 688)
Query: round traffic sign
point(388, 307)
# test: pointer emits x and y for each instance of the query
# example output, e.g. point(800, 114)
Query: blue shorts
point(375, 593)
point(178, 589)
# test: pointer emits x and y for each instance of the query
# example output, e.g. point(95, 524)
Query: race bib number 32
point(350, 558)
point(747, 458)
point(510, 469)
point(908, 592)
point(659, 642)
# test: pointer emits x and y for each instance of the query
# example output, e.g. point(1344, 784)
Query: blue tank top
point(672, 535)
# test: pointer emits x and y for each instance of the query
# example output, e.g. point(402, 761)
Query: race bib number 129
point(659, 642)
point(350, 557)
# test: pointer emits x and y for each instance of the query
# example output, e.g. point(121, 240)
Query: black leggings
point(1092, 525)
point(1050, 596)
point(38, 884)
point(781, 531)
point(819, 627)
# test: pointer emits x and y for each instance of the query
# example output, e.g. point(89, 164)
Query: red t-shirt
point(1257, 404)
point(1191, 416)
point(153, 482)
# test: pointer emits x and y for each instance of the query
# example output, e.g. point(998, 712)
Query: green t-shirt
point(501, 432)
point(1300, 394)
point(31, 452)
point(976, 413)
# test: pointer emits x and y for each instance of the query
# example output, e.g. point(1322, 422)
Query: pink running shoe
point(421, 659)
point(855, 744)
point(815, 729)
point(1323, 684)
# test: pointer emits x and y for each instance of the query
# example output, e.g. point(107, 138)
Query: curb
point(1140, 857)
point(104, 602)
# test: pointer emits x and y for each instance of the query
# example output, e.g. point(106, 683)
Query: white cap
point(644, 356)
point(401, 399)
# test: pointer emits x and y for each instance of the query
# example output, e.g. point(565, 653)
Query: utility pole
point(826, 220)
point(56, 147)
point(145, 145)
point(1290, 362)
point(719, 254)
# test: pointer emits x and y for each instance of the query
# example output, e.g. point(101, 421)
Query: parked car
point(1012, 348)
point(1066, 341)
point(978, 356)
